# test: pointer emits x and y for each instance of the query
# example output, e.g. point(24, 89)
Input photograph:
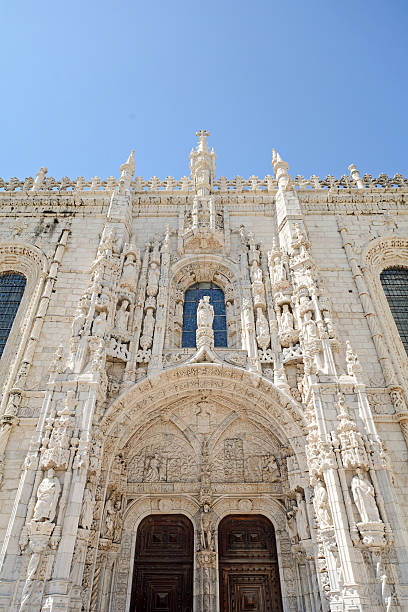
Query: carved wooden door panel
point(163, 570)
point(248, 562)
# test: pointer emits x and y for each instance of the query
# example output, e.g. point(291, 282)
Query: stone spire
point(127, 171)
point(281, 170)
point(202, 165)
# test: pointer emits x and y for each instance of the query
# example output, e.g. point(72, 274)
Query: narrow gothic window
point(11, 291)
point(395, 285)
point(191, 299)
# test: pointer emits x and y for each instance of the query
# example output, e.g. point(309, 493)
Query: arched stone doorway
point(163, 566)
point(248, 565)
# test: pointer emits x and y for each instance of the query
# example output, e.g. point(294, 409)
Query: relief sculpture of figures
point(47, 498)
point(363, 495)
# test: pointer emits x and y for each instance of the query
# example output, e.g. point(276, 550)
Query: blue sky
point(83, 82)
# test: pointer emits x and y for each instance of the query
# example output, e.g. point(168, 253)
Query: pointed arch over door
point(163, 570)
point(248, 565)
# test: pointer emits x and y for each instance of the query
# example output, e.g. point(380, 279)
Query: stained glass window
point(191, 299)
point(395, 285)
point(11, 291)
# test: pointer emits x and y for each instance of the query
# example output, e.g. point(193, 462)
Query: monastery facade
point(204, 392)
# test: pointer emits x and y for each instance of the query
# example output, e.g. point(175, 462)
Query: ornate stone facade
point(107, 418)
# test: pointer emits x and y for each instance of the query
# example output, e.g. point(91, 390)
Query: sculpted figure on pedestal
point(205, 312)
point(129, 268)
point(292, 526)
point(99, 325)
point(206, 529)
point(88, 505)
point(286, 319)
point(122, 316)
point(301, 518)
point(47, 498)
point(309, 327)
point(279, 271)
point(321, 505)
point(364, 498)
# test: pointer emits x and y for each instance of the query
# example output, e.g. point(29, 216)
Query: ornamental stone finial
point(355, 175)
point(281, 170)
point(202, 165)
point(127, 171)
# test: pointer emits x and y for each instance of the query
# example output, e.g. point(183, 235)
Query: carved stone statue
point(286, 319)
point(153, 279)
point(309, 327)
point(78, 323)
point(301, 518)
point(87, 510)
point(99, 325)
point(47, 498)
point(279, 271)
point(291, 526)
point(122, 316)
point(321, 505)
point(129, 268)
point(363, 495)
point(206, 529)
point(262, 329)
point(205, 312)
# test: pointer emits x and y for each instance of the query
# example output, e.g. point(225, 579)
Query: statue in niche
point(99, 325)
point(262, 329)
point(270, 470)
point(205, 312)
point(206, 529)
point(321, 505)
point(286, 319)
point(309, 327)
point(87, 510)
point(47, 498)
point(364, 498)
point(148, 324)
point(292, 526)
point(78, 323)
point(129, 268)
point(122, 316)
point(279, 271)
point(301, 518)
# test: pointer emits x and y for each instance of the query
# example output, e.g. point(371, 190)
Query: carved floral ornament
point(208, 268)
point(252, 394)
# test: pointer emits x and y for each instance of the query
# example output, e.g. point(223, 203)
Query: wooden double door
point(163, 572)
point(248, 565)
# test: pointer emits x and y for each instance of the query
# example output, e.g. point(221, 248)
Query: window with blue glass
point(12, 287)
point(191, 299)
point(395, 284)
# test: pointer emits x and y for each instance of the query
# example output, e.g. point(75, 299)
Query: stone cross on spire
point(202, 165)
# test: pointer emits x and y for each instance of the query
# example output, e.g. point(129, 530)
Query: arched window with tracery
point(191, 299)
point(12, 287)
point(395, 284)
